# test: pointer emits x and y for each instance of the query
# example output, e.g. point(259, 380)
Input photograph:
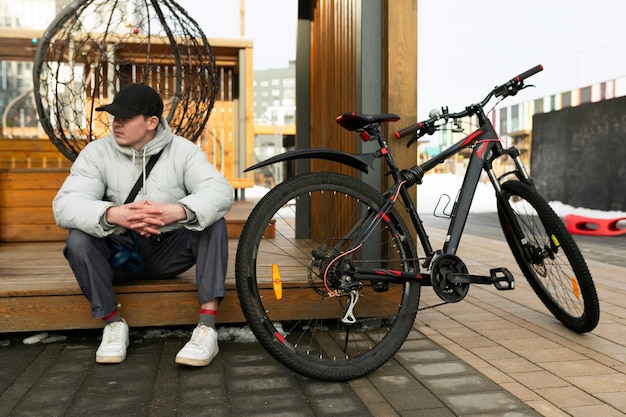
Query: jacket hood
point(161, 139)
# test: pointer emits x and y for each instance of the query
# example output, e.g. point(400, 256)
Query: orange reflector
point(576, 288)
point(277, 282)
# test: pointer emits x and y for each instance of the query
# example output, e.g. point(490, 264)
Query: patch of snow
point(436, 185)
point(36, 338)
point(432, 194)
point(43, 337)
point(256, 192)
point(236, 334)
point(242, 334)
point(54, 338)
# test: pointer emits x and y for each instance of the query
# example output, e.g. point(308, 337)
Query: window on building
point(539, 105)
point(514, 118)
point(566, 99)
point(603, 91)
point(289, 92)
point(585, 95)
point(504, 120)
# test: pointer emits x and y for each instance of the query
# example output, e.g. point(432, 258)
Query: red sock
point(112, 317)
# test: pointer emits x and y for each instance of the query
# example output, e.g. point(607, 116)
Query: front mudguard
point(362, 162)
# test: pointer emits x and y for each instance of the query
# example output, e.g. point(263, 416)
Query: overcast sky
point(465, 47)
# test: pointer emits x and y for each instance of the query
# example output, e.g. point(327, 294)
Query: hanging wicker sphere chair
point(95, 47)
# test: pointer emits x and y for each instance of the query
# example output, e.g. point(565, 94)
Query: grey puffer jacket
point(104, 174)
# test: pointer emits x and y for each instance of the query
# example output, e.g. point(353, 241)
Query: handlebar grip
point(408, 130)
point(529, 73)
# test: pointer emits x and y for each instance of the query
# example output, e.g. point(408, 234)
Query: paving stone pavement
point(61, 378)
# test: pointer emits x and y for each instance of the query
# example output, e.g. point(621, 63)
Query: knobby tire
point(551, 261)
point(314, 342)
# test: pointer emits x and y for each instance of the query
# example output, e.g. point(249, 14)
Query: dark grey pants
point(164, 257)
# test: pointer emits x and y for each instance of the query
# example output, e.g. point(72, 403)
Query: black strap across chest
point(139, 183)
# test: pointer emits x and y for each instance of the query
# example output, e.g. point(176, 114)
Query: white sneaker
point(201, 348)
point(114, 343)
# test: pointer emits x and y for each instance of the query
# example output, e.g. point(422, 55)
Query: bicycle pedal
point(380, 286)
point(502, 279)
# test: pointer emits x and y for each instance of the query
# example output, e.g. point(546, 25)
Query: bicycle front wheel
point(291, 281)
point(549, 257)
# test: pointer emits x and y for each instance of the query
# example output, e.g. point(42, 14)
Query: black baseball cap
point(135, 99)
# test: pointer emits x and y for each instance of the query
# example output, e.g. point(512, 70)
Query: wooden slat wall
point(400, 73)
point(26, 204)
point(334, 87)
point(335, 68)
point(400, 78)
point(334, 84)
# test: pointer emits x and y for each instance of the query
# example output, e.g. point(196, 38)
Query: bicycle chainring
point(446, 290)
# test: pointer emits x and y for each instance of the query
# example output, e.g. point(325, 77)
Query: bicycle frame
point(487, 147)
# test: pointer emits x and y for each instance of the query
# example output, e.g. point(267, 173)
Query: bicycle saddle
point(355, 121)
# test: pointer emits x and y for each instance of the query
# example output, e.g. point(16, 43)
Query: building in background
point(17, 109)
point(274, 119)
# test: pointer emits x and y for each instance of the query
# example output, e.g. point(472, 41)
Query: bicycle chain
point(395, 315)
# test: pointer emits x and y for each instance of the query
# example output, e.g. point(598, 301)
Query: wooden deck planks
point(38, 292)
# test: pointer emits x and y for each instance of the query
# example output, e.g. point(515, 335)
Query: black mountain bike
point(337, 256)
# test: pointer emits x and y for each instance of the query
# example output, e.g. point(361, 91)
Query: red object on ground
point(590, 226)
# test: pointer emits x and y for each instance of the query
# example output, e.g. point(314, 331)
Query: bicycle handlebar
point(510, 88)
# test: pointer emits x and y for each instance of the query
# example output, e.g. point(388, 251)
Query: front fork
point(502, 199)
point(520, 170)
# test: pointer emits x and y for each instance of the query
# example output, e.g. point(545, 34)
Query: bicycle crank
point(447, 274)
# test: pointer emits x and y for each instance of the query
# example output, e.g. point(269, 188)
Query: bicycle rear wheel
point(549, 258)
point(299, 229)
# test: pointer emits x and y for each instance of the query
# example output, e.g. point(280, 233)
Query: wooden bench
point(240, 185)
point(38, 292)
point(37, 288)
point(31, 153)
